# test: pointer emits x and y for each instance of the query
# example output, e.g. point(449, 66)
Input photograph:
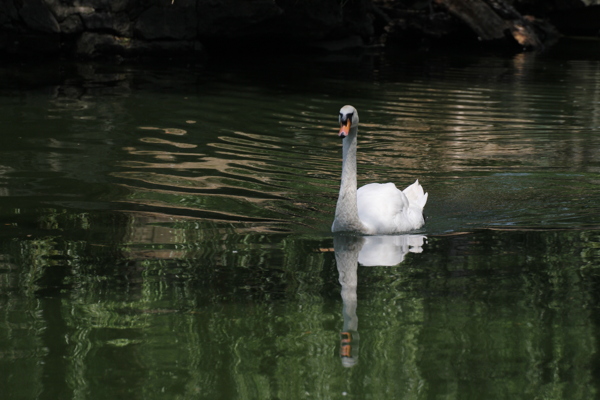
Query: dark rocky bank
point(193, 28)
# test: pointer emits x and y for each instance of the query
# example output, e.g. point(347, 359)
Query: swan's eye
point(344, 118)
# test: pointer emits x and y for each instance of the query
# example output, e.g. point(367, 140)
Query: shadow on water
point(164, 232)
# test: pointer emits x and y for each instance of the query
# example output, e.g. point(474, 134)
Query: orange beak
point(345, 128)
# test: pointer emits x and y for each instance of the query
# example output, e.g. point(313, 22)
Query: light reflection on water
point(166, 232)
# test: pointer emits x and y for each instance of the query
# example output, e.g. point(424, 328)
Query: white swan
point(376, 208)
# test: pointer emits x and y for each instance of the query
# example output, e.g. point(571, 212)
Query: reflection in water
point(351, 250)
point(347, 249)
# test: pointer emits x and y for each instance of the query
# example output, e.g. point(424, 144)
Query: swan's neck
point(346, 211)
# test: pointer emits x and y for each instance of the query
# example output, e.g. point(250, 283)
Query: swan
point(376, 208)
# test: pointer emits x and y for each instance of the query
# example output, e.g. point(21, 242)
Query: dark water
point(164, 230)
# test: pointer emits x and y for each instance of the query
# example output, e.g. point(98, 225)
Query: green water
point(164, 230)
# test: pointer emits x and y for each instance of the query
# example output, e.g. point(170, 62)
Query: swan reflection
point(366, 251)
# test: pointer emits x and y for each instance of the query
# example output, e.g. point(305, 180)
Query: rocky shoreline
point(193, 28)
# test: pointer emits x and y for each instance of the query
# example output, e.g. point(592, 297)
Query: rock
point(95, 45)
point(581, 21)
point(358, 19)
point(92, 45)
point(132, 27)
point(292, 21)
point(481, 18)
point(37, 16)
point(29, 44)
point(120, 5)
point(231, 18)
point(166, 48)
point(94, 27)
point(115, 23)
point(176, 22)
point(8, 13)
point(496, 21)
point(313, 20)
point(352, 42)
point(71, 24)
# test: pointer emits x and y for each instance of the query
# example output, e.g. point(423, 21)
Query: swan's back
point(383, 209)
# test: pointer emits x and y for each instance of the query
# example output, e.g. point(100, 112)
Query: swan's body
point(376, 208)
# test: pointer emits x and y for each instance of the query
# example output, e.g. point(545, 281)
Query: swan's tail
point(415, 195)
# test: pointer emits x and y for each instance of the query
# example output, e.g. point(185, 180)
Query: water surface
point(164, 230)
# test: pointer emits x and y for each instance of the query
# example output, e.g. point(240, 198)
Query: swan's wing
point(381, 206)
point(416, 195)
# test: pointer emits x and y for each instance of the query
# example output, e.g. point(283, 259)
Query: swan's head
point(348, 118)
